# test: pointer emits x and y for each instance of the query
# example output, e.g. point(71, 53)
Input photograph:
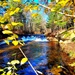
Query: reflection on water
point(36, 52)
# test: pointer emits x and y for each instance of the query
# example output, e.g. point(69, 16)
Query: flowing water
point(35, 51)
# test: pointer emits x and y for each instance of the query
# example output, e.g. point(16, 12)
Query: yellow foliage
point(2, 26)
point(1, 70)
point(9, 72)
point(17, 10)
point(10, 38)
point(12, 13)
point(29, 6)
point(26, 8)
point(11, 9)
point(3, 73)
point(9, 26)
point(13, 62)
point(5, 4)
point(16, 23)
point(15, 43)
point(24, 60)
point(35, 8)
point(15, 35)
point(53, 9)
point(6, 41)
point(63, 2)
point(6, 16)
point(17, 0)
point(2, 19)
point(0, 3)
point(74, 20)
point(7, 32)
point(72, 35)
point(34, 15)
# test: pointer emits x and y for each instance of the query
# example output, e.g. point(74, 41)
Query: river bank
point(62, 55)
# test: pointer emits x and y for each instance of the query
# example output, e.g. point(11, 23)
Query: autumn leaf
point(63, 2)
point(15, 43)
point(5, 4)
point(24, 60)
point(16, 23)
point(34, 15)
point(17, 0)
point(3, 73)
point(26, 9)
point(6, 41)
point(53, 9)
point(15, 35)
point(13, 62)
point(9, 26)
point(7, 32)
point(1, 70)
point(35, 8)
point(9, 72)
point(12, 13)
point(10, 38)
point(17, 10)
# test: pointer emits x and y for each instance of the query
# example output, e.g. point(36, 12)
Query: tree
point(36, 21)
point(8, 21)
point(65, 8)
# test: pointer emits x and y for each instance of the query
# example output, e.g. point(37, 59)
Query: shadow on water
point(36, 53)
point(56, 64)
point(53, 54)
point(44, 56)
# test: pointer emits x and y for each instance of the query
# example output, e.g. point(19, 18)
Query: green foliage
point(37, 19)
point(48, 25)
point(57, 19)
point(51, 17)
point(73, 39)
point(60, 23)
point(14, 3)
point(57, 8)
